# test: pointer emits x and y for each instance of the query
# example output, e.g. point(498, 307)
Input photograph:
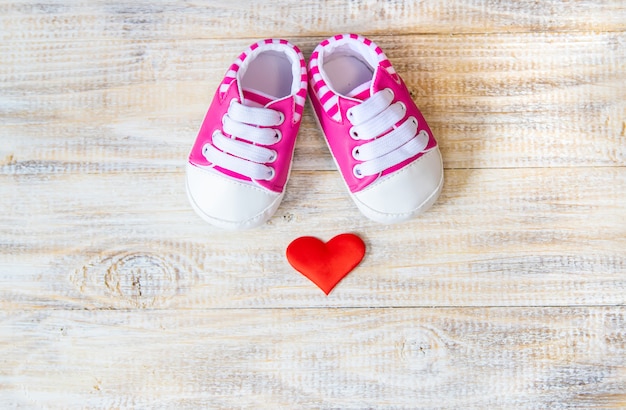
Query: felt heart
point(325, 264)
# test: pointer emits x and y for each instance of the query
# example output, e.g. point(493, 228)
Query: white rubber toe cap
point(227, 203)
point(405, 193)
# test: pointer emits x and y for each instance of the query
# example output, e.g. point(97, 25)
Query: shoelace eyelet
point(205, 149)
point(357, 172)
point(353, 134)
point(282, 118)
point(272, 174)
point(273, 157)
point(278, 137)
point(390, 91)
point(355, 152)
point(403, 106)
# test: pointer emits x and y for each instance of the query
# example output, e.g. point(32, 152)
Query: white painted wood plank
point(114, 294)
point(320, 358)
point(101, 19)
point(502, 237)
point(500, 100)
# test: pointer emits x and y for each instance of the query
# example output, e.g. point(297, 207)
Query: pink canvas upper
point(291, 106)
point(331, 107)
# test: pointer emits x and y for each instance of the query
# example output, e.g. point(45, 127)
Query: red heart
point(325, 264)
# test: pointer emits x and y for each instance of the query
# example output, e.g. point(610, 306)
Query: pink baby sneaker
point(241, 159)
point(380, 141)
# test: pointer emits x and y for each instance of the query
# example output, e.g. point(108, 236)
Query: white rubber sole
point(257, 220)
point(400, 217)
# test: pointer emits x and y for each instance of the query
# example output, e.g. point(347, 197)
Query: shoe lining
point(270, 72)
point(346, 70)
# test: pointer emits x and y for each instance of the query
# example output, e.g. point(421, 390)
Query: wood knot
point(422, 350)
point(138, 279)
point(140, 276)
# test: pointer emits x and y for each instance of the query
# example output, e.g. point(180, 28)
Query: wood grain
point(528, 237)
point(500, 100)
point(106, 20)
point(509, 293)
point(320, 358)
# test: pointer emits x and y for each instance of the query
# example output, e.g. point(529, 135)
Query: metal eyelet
point(205, 148)
point(353, 134)
point(350, 114)
point(272, 157)
point(272, 174)
point(403, 106)
point(356, 153)
point(282, 118)
point(390, 91)
point(413, 120)
point(278, 136)
point(356, 171)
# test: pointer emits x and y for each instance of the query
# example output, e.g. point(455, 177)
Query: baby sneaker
point(380, 141)
point(241, 159)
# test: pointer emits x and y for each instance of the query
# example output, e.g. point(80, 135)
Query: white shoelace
point(247, 154)
point(370, 120)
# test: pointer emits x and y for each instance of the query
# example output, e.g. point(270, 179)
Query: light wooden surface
point(509, 293)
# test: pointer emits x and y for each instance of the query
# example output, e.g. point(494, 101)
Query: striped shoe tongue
point(362, 92)
point(255, 98)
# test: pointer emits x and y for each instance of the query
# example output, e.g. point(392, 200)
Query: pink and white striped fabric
point(300, 97)
point(319, 86)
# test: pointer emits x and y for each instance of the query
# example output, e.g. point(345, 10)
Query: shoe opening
point(348, 66)
point(272, 73)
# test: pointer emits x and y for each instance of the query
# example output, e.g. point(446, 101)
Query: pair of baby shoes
point(240, 162)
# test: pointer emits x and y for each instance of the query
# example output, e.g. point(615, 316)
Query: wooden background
point(509, 293)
